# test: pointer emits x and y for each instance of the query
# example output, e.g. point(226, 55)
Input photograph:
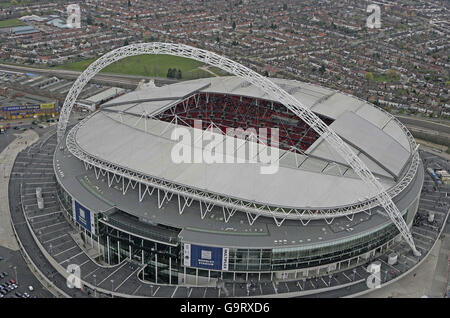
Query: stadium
point(201, 223)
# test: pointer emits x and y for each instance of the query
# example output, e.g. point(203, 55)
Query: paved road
point(426, 124)
point(7, 158)
point(115, 79)
point(10, 143)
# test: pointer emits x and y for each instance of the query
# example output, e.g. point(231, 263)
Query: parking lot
point(11, 260)
point(13, 264)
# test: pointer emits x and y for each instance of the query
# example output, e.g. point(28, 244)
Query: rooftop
point(318, 179)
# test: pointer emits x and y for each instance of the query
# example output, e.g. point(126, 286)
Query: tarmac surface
point(10, 143)
point(21, 275)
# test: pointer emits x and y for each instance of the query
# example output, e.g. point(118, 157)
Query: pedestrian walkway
point(7, 158)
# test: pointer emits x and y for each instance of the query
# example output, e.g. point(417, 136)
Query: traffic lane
point(24, 277)
point(6, 139)
point(10, 132)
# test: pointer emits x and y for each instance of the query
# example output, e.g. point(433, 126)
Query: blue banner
point(83, 216)
point(207, 257)
point(19, 108)
point(47, 106)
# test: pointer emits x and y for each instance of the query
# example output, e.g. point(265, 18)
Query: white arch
point(273, 90)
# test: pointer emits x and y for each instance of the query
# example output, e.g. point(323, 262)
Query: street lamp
point(112, 288)
point(95, 284)
point(329, 281)
point(15, 272)
point(354, 274)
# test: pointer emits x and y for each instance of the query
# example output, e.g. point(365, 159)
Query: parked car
point(30, 288)
point(18, 294)
point(5, 273)
point(12, 281)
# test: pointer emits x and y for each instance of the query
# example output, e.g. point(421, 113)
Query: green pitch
point(10, 23)
point(147, 65)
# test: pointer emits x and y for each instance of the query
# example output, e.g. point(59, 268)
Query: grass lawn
point(11, 3)
point(146, 65)
point(10, 23)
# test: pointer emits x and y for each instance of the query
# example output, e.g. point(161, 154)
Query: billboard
point(83, 216)
point(28, 107)
point(206, 257)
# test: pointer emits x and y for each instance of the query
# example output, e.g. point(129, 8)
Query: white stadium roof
point(318, 179)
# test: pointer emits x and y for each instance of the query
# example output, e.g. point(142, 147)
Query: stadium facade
point(197, 223)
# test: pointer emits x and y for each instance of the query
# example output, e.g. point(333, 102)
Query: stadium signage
point(27, 107)
point(206, 257)
point(250, 146)
point(83, 216)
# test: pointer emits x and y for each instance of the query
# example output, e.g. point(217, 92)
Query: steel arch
point(264, 83)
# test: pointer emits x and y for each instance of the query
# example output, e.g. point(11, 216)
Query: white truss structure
point(275, 93)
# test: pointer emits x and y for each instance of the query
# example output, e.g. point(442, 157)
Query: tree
point(322, 69)
point(369, 76)
point(169, 73)
point(233, 25)
point(179, 75)
point(265, 73)
point(129, 3)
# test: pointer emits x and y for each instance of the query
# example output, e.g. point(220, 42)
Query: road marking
point(44, 227)
point(139, 287)
point(113, 273)
point(176, 288)
point(91, 273)
point(127, 278)
point(346, 276)
point(71, 248)
point(85, 262)
point(63, 228)
point(72, 257)
point(53, 239)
